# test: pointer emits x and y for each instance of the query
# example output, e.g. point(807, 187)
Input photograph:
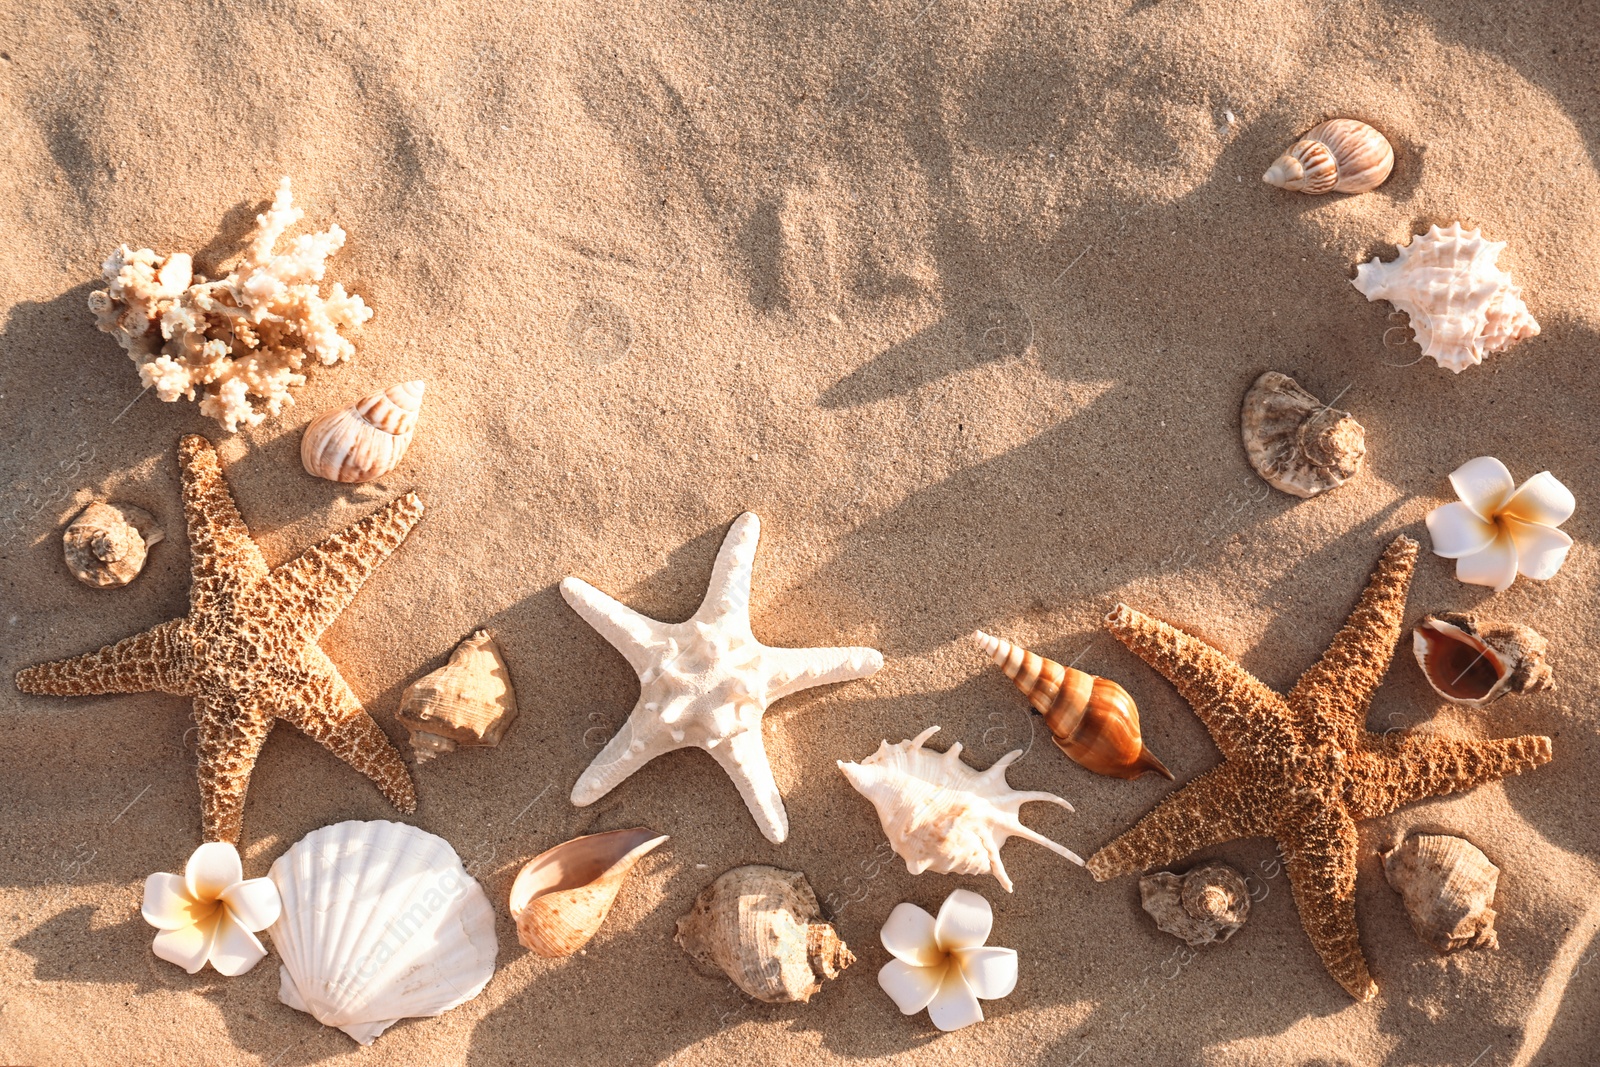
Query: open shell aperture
point(1475, 664)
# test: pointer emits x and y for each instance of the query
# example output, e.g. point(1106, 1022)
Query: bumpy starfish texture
point(706, 683)
point(1303, 768)
point(247, 651)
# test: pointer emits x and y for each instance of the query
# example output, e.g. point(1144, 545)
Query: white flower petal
point(1495, 566)
point(1541, 499)
point(255, 903)
point(1483, 484)
point(187, 946)
point(954, 1006)
point(908, 935)
point(167, 904)
point(911, 988)
point(1457, 531)
point(213, 867)
point(964, 921)
point(991, 973)
point(234, 950)
point(1541, 550)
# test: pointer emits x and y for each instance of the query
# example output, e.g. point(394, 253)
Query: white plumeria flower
point(1499, 528)
point(210, 915)
point(941, 964)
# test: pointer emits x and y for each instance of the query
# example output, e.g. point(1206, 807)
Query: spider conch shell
point(105, 545)
point(1296, 442)
point(1093, 720)
point(468, 701)
point(563, 894)
point(1338, 156)
point(1472, 664)
point(763, 928)
point(1461, 306)
point(1447, 885)
point(941, 815)
point(1204, 907)
point(363, 440)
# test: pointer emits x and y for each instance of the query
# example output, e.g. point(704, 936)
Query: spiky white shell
point(1462, 307)
point(941, 815)
point(380, 922)
point(363, 440)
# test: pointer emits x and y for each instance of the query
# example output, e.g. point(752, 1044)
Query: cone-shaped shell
point(1447, 885)
point(1339, 156)
point(105, 545)
point(563, 894)
point(468, 701)
point(1093, 720)
point(364, 440)
point(763, 928)
point(1472, 664)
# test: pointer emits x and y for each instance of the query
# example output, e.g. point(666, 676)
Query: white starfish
point(706, 682)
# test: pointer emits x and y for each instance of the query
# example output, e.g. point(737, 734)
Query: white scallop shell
point(1461, 306)
point(363, 440)
point(380, 922)
point(941, 815)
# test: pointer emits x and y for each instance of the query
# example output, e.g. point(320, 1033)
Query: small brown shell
point(1447, 885)
point(1296, 442)
point(105, 545)
point(1338, 156)
point(1475, 664)
point(763, 928)
point(563, 894)
point(1204, 907)
point(469, 701)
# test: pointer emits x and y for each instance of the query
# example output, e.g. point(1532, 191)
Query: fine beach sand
point(961, 298)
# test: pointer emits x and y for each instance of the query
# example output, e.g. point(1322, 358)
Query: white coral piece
point(1461, 306)
point(941, 815)
point(240, 340)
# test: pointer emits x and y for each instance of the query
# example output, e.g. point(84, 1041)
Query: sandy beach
point(961, 299)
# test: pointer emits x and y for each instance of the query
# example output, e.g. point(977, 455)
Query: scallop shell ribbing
point(380, 922)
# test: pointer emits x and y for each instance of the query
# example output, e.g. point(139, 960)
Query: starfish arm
point(794, 669)
point(1335, 693)
point(311, 590)
point(152, 661)
point(1239, 711)
point(744, 757)
point(636, 636)
point(628, 750)
point(1406, 767)
point(230, 740)
point(729, 590)
point(222, 557)
point(1320, 859)
point(1209, 810)
point(318, 702)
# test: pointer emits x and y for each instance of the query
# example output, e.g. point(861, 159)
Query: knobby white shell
point(1461, 306)
point(380, 922)
point(363, 440)
point(1296, 442)
point(1338, 156)
point(941, 815)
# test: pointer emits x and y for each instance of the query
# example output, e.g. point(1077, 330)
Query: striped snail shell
point(363, 440)
point(1093, 720)
point(1339, 156)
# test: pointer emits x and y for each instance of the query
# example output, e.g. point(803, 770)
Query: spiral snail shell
point(1339, 156)
point(1093, 720)
point(363, 440)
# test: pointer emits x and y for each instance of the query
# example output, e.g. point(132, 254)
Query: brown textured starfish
point(1303, 768)
point(247, 651)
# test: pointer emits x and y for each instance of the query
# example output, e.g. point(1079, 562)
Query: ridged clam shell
point(1204, 907)
point(763, 928)
point(1447, 885)
point(941, 815)
point(1300, 445)
point(380, 922)
point(1338, 156)
point(562, 895)
point(105, 545)
point(468, 701)
point(1475, 664)
point(363, 440)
